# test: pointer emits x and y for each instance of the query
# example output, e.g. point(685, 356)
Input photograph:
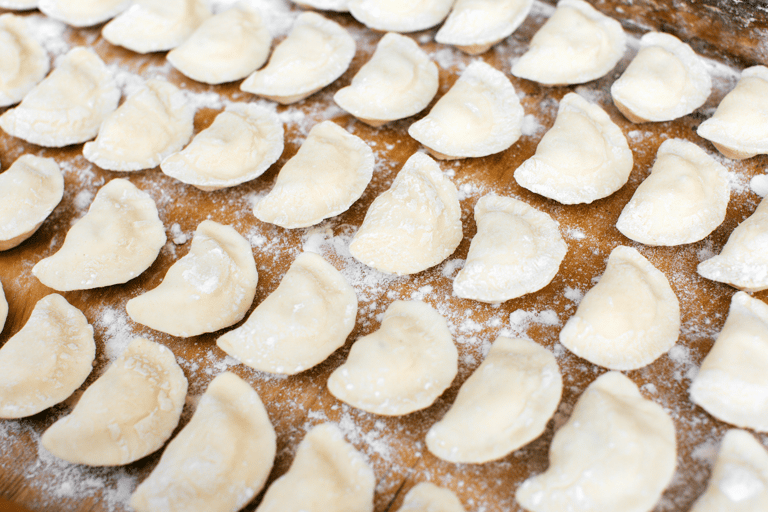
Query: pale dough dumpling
point(3, 308)
point(210, 288)
point(630, 317)
point(682, 201)
point(118, 239)
point(325, 5)
point(480, 115)
point(128, 413)
point(19, 5)
point(47, 360)
point(83, 13)
point(475, 25)
point(616, 453)
point(315, 54)
point(328, 174)
point(427, 497)
point(400, 368)
point(414, 225)
point(582, 158)
point(400, 15)
point(23, 61)
point(221, 458)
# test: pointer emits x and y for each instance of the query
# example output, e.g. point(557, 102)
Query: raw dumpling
point(151, 124)
point(427, 497)
point(480, 115)
point(327, 475)
point(23, 61)
point(128, 413)
point(576, 45)
point(582, 158)
point(682, 201)
point(221, 458)
point(240, 145)
point(402, 367)
point(325, 5)
point(3, 308)
point(118, 239)
point(209, 289)
point(83, 13)
point(328, 174)
point(399, 81)
point(616, 453)
point(630, 317)
point(68, 106)
point(19, 5)
point(475, 25)
point(315, 54)
point(47, 360)
point(29, 191)
point(400, 15)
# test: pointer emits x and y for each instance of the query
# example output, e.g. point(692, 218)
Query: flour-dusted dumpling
point(629, 319)
point(475, 25)
point(399, 81)
point(328, 174)
point(400, 15)
point(3, 308)
point(221, 458)
point(83, 13)
point(19, 5)
point(325, 5)
point(400, 368)
point(23, 61)
point(118, 239)
point(427, 497)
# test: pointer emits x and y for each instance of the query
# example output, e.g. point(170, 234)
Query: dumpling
point(582, 158)
point(399, 81)
point(83, 13)
point(19, 5)
point(209, 289)
point(616, 453)
point(23, 61)
point(47, 360)
point(576, 45)
point(480, 115)
point(315, 54)
point(517, 250)
point(118, 239)
point(475, 25)
point(427, 497)
point(3, 308)
point(630, 317)
point(325, 5)
point(400, 15)
point(682, 201)
point(400, 368)
point(330, 172)
point(414, 225)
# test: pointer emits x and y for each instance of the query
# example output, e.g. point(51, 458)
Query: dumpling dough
point(732, 384)
point(315, 54)
point(327, 475)
point(427, 497)
point(83, 13)
point(682, 201)
point(480, 115)
point(325, 5)
point(240, 145)
point(118, 239)
point(402, 367)
point(504, 405)
point(29, 191)
point(221, 458)
point(475, 25)
point(576, 45)
point(400, 15)
point(151, 124)
point(399, 81)
point(664, 81)
point(3, 308)
point(582, 158)
point(19, 5)
point(68, 106)
point(328, 174)
point(517, 250)
point(209, 289)
point(23, 61)
point(630, 317)
point(47, 360)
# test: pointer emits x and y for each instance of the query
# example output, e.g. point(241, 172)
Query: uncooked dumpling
point(328, 174)
point(3, 308)
point(23, 61)
point(427, 497)
point(118, 239)
point(475, 25)
point(221, 458)
point(400, 15)
point(83, 13)
point(47, 360)
point(128, 413)
point(20, 5)
point(616, 453)
point(400, 368)
point(582, 158)
point(414, 225)
point(325, 5)
point(630, 317)
point(209, 289)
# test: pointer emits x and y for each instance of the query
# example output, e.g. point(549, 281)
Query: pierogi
point(83, 13)
point(325, 5)
point(3, 308)
point(475, 25)
point(427, 497)
point(19, 5)
point(400, 15)
point(23, 61)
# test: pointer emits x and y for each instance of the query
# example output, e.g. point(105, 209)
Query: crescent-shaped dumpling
point(315, 54)
point(475, 25)
point(683, 200)
point(47, 360)
point(582, 158)
point(19, 5)
point(221, 458)
point(209, 289)
point(23, 61)
point(399, 81)
point(400, 15)
point(325, 5)
point(480, 115)
point(3, 308)
point(628, 319)
point(427, 497)
point(118, 239)
point(328, 173)
point(83, 13)
point(400, 368)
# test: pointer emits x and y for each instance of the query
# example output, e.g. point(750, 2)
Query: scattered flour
point(531, 126)
point(521, 320)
